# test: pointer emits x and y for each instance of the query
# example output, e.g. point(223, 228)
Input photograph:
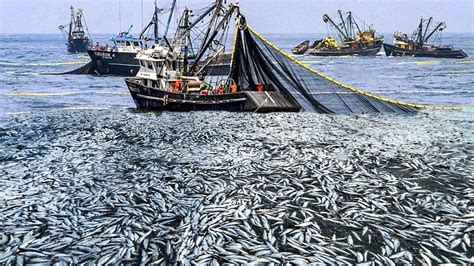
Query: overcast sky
point(267, 16)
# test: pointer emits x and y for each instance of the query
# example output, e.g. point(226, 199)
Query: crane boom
point(327, 19)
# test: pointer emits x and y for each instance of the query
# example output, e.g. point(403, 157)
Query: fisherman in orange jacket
point(260, 87)
point(177, 85)
point(233, 88)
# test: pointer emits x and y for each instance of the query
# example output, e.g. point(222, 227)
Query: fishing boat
point(119, 59)
point(350, 38)
point(77, 36)
point(420, 43)
point(261, 78)
point(167, 80)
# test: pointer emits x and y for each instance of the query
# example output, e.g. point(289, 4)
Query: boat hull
point(114, 63)
point(152, 99)
point(391, 50)
point(301, 48)
point(367, 51)
point(125, 64)
point(78, 45)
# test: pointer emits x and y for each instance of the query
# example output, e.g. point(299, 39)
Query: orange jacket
point(233, 88)
point(177, 85)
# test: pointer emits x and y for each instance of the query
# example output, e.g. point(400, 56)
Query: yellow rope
point(419, 106)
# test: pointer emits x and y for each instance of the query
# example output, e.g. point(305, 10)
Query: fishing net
point(255, 60)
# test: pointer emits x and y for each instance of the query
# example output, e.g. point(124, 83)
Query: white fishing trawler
point(169, 80)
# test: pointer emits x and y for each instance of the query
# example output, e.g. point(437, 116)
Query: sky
point(266, 16)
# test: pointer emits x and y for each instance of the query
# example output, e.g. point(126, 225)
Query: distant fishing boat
point(417, 45)
point(350, 39)
point(119, 59)
point(78, 40)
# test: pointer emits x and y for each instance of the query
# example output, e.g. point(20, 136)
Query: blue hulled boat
point(119, 59)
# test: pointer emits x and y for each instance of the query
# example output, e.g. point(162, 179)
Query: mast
point(426, 30)
point(419, 40)
point(187, 37)
point(71, 22)
point(170, 17)
point(214, 18)
point(343, 23)
point(120, 16)
point(327, 19)
point(79, 17)
point(354, 22)
point(209, 10)
point(155, 22)
point(210, 40)
point(440, 26)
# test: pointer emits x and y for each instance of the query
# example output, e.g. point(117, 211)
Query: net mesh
point(255, 61)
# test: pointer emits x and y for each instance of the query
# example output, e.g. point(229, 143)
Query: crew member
point(205, 89)
point(97, 46)
point(260, 87)
point(233, 88)
point(177, 85)
point(220, 89)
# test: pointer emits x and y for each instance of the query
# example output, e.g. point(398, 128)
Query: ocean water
point(85, 178)
point(24, 57)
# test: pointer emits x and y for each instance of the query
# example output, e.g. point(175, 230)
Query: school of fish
point(121, 187)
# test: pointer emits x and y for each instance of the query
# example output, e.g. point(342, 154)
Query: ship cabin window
point(159, 65)
point(142, 63)
point(137, 44)
point(128, 43)
point(150, 65)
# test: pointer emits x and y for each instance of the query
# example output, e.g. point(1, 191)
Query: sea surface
point(85, 178)
point(24, 58)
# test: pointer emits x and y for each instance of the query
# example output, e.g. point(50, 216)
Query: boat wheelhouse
point(124, 42)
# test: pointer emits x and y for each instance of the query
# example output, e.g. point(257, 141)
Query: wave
point(41, 94)
point(417, 91)
point(112, 93)
point(43, 64)
point(420, 63)
point(86, 108)
point(48, 94)
point(23, 73)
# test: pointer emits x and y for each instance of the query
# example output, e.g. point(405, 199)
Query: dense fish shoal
point(119, 186)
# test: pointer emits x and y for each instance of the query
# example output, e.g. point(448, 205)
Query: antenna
point(142, 14)
point(120, 16)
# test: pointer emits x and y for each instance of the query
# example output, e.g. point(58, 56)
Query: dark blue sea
point(86, 179)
